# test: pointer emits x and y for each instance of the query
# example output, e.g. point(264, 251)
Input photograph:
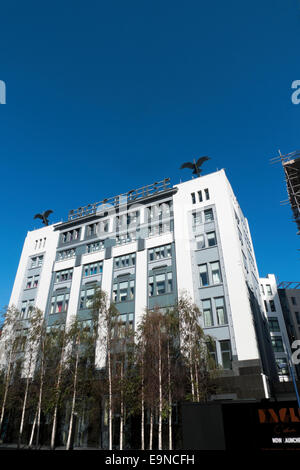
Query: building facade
point(277, 326)
point(146, 248)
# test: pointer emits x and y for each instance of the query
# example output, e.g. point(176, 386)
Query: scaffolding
point(291, 167)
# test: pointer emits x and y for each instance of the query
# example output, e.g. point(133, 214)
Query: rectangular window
point(272, 306)
point(92, 269)
point(64, 275)
point(36, 280)
point(266, 305)
point(262, 289)
point(207, 313)
point(29, 282)
point(211, 239)
point(200, 240)
point(91, 247)
point(23, 308)
point(160, 284)
point(277, 344)
point(282, 366)
point(200, 196)
point(297, 315)
point(33, 262)
point(216, 272)
point(193, 198)
point(203, 275)
point(269, 290)
point(211, 346)
point(226, 354)
point(208, 215)
point(123, 287)
point(273, 325)
point(221, 311)
point(160, 252)
point(197, 219)
point(206, 194)
point(293, 299)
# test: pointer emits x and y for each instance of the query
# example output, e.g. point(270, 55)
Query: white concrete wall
point(221, 196)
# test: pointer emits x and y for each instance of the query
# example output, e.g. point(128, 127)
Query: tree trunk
point(169, 399)
point(160, 394)
point(109, 398)
point(23, 412)
point(32, 430)
point(7, 380)
point(121, 411)
point(54, 422)
point(74, 397)
point(143, 411)
point(39, 409)
point(151, 430)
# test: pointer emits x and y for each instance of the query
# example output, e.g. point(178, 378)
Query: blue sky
point(103, 97)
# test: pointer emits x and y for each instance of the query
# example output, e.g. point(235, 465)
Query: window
point(272, 306)
point(221, 311)
point(160, 252)
point(262, 289)
point(277, 344)
point(87, 296)
point(65, 275)
point(203, 275)
point(125, 261)
point(123, 290)
point(207, 313)
point(193, 198)
point(293, 299)
point(208, 215)
point(36, 262)
point(200, 240)
point(282, 366)
point(92, 269)
point(273, 325)
point(269, 290)
point(211, 239)
point(29, 282)
point(240, 236)
point(215, 272)
point(59, 302)
point(297, 315)
point(245, 261)
point(26, 308)
point(211, 346)
point(91, 247)
point(266, 305)
point(226, 354)
point(66, 254)
point(200, 196)
point(206, 194)
point(197, 219)
point(160, 284)
point(36, 280)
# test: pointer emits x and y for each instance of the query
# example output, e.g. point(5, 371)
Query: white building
point(144, 248)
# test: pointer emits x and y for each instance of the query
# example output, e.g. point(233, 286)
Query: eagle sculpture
point(44, 216)
point(195, 165)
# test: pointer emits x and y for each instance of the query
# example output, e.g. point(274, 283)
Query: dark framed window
point(277, 344)
point(92, 269)
point(226, 354)
point(59, 302)
point(274, 325)
point(160, 252)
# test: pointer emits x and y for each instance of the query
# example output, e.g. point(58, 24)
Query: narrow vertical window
point(193, 198)
point(203, 275)
point(207, 313)
point(206, 194)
